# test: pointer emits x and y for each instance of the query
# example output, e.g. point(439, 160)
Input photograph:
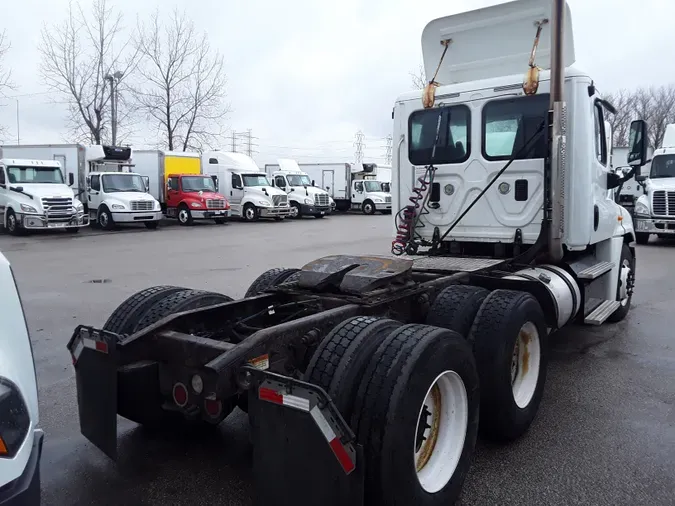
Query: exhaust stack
point(558, 133)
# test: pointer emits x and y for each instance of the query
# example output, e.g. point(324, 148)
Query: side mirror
point(640, 178)
point(146, 183)
point(71, 179)
point(88, 183)
point(638, 141)
point(215, 181)
point(313, 183)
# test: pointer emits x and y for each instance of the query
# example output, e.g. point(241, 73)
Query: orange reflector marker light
point(3, 448)
point(620, 218)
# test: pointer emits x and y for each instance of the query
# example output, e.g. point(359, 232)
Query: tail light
point(14, 419)
point(180, 395)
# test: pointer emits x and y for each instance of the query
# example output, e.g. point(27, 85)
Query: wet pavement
point(605, 434)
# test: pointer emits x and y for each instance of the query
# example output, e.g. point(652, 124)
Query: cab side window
point(236, 181)
point(600, 138)
point(96, 182)
point(280, 181)
point(173, 183)
point(2, 177)
point(358, 187)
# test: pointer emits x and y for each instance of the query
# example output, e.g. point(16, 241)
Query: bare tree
point(183, 92)
point(624, 103)
point(77, 56)
point(419, 80)
point(5, 74)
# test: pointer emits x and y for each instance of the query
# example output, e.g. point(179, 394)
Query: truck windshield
point(198, 184)
point(48, 175)
point(298, 180)
point(373, 186)
point(122, 183)
point(662, 166)
point(255, 180)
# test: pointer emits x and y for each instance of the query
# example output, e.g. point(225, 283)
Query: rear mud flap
point(94, 355)
point(303, 451)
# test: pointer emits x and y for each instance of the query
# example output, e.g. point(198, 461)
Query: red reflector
point(101, 346)
point(267, 394)
point(180, 394)
point(342, 455)
point(212, 407)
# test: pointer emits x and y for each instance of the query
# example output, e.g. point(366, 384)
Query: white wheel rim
point(294, 212)
point(525, 364)
point(103, 219)
point(368, 208)
point(623, 289)
point(11, 222)
point(439, 443)
point(249, 213)
point(182, 215)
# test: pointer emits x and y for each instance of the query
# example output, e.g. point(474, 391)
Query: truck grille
point(321, 200)
point(663, 203)
point(279, 200)
point(142, 205)
point(387, 200)
point(215, 203)
point(57, 207)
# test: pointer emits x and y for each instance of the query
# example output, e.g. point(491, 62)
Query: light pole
point(114, 98)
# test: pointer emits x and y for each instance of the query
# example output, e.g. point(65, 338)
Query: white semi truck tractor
point(367, 378)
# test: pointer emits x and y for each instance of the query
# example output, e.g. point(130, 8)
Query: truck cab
point(248, 189)
point(194, 197)
point(655, 208)
point(304, 198)
point(35, 196)
point(369, 195)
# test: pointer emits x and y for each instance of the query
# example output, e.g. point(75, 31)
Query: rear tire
point(419, 374)
point(510, 343)
point(269, 279)
point(127, 315)
point(456, 307)
point(641, 237)
point(341, 358)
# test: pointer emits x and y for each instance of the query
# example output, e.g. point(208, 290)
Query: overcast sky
point(306, 75)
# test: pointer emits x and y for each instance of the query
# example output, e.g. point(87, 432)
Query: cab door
point(236, 194)
point(3, 195)
point(172, 195)
point(358, 194)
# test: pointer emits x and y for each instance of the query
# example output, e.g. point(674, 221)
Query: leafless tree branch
point(419, 80)
point(77, 55)
point(5, 74)
point(183, 83)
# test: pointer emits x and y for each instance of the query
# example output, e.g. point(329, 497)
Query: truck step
point(595, 271)
point(452, 264)
point(600, 314)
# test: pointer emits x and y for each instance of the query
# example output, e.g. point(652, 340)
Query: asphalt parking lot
point(605, 434)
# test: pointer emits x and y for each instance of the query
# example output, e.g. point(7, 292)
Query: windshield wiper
point(19, 189)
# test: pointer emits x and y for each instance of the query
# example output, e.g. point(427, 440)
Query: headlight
point(264, 203)
point(309, 202)
point(157, 204)
point(196, 204)
point(28, 209)
point(14, 419)
point(79, 207)
point(379, 201)
point(117, 206)
point(641, 209)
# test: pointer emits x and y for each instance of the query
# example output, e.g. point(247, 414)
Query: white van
point(20, 439)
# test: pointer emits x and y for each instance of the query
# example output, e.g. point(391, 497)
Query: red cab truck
point(177, 182)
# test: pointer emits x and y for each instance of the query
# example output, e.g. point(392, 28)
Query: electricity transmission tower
point(244, 141)
point(387, 156)
point(360, 146)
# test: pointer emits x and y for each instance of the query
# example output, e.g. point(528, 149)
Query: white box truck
point(351, 185)
point(248, 189)
point(304, 198)
point(109, 197)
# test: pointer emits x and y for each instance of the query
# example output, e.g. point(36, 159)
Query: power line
point(388, 149)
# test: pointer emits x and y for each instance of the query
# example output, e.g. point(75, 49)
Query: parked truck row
point(70, 186)
point(368, 379)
